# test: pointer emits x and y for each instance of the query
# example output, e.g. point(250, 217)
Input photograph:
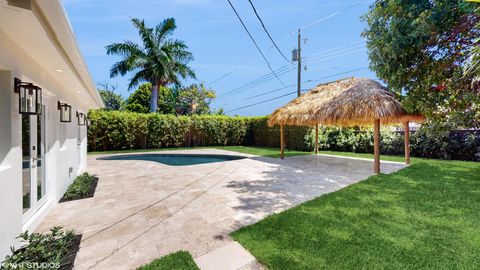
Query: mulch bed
point(90, 193)
point(69, 259)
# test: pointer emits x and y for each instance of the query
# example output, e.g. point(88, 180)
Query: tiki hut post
point(407, 142)
point(376, 142)
point(281, 142)
point(348, 102)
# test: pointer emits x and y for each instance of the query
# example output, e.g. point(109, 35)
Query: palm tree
point(160, 60)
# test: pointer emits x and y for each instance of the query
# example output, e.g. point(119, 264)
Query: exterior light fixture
point(65, 112)
point(82, 119)
point(29, 97)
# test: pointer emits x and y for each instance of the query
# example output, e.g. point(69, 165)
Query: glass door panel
point(33, 164)
point(40, 157)
point(26, 164)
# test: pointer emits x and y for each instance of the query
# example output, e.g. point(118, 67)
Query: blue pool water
point(175, 159)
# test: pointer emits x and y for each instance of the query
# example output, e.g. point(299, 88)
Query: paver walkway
point(143, 210)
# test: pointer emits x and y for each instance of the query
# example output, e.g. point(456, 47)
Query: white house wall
point(65, 149)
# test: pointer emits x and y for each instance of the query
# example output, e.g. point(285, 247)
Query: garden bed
point(83, 187)
point(55, 250)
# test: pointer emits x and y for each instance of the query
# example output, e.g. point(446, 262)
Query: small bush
point(82, 187)
point(55, 250)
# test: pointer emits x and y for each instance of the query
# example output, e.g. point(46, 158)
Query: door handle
point(35, 158)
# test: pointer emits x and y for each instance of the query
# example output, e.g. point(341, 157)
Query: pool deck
point(143, 210)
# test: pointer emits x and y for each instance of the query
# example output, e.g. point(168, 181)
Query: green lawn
point(424, 216)
point(180, 260)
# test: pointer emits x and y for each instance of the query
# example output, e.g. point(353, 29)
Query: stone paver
point(143, 210)
point(229, 257)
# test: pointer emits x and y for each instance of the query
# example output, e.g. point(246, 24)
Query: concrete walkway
point(143, 210)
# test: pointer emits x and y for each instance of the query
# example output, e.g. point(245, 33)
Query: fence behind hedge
point(115, 130)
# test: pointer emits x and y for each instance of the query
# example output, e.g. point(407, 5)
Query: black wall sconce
point(65, 112)
point(82, 119)
point(29, 97)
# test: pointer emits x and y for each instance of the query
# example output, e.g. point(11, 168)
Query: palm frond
point(164, 30)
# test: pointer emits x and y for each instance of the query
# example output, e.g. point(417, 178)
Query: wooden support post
point(316, 139)
point(406, 127)
point(282, 154)
point(376, 143)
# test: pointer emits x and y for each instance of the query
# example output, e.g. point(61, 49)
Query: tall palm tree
point(160, 60)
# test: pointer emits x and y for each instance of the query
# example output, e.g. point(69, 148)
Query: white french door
point(34, 188)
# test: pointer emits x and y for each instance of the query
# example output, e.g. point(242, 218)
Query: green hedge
point(115, 130)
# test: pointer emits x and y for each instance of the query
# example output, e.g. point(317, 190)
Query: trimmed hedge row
point(115, 130)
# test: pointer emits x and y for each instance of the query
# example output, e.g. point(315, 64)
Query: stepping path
point(230, 257)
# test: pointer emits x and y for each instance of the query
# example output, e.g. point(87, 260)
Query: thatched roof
point(350, 102)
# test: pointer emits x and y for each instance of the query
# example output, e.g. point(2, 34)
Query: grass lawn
point(180, 260)
point(424, 216)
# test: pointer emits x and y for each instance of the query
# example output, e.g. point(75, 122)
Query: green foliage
point(419, 48)
point(195, 99)
point(180, 260)
point(160, 59)
point(50, 250)
point(297, 138)
point(139, 100)
point(123, 130)
point(422, 217)
point(472, 67)
point(80, 188)
point(111, 100)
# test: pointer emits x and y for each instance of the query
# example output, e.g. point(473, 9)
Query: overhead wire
point(294, 92)
point(254, 42)
point(266, 31)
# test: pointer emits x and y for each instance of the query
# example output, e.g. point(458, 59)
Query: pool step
point(229, 257)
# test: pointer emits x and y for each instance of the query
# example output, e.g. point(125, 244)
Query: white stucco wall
point(65, 153)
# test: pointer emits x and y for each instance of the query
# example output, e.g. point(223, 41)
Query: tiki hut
point(346, 103)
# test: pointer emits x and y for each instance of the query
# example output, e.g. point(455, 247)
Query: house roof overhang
point(42, 30)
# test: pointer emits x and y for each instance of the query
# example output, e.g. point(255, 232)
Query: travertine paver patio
point(143, 210)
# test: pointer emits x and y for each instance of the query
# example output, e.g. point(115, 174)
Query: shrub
point(82, 187)
point(55, 250)
point(126, 130)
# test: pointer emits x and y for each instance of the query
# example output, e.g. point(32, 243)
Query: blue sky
point(221, 46)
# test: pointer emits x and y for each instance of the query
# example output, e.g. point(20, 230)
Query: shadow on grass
point(424, 216)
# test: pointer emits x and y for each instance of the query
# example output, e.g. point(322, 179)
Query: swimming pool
point(175, 159)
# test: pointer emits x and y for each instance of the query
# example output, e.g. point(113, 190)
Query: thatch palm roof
point(350, 102)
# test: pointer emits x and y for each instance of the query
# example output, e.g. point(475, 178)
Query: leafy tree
point(111, 100)
point(419, 47)
point(472, 68)
point(160, 59)
point(139, 101)
point(195, 99)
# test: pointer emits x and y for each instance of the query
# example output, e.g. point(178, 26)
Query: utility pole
point(299, 59)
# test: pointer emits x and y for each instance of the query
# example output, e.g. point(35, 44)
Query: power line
point(330, 54)
point(329, 16)
point(266, 31)
point(267, 78)
point(258, 80)
point(224, 76)
point(291, 93)
point(254, 42)
point(262, 82)
point(307, 81)
point(258, 103)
